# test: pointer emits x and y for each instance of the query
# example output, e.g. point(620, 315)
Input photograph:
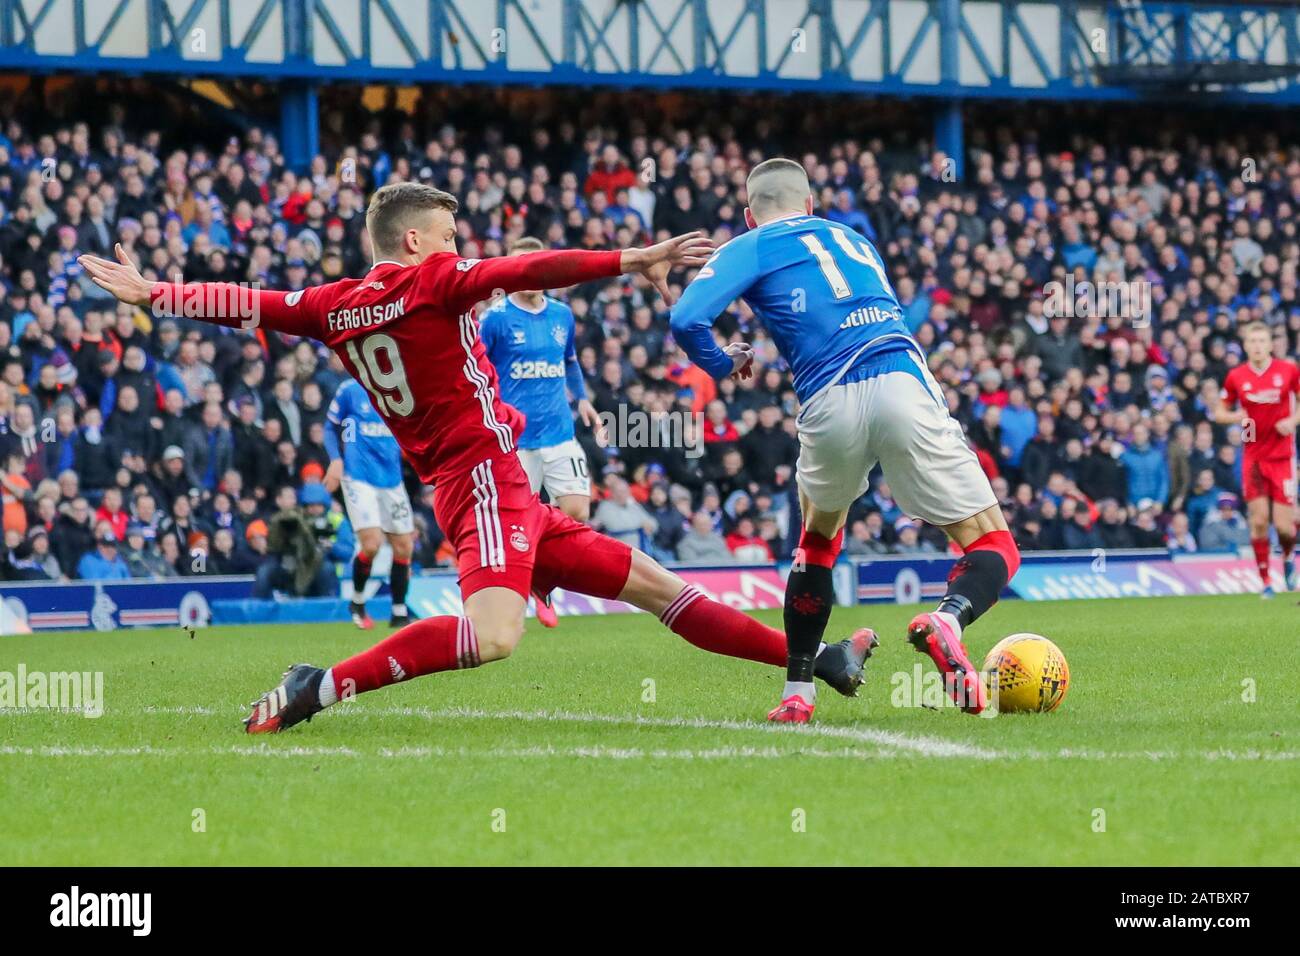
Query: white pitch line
point(425, 753)
point(886, 743)
point(592, 753)
point(926, 746)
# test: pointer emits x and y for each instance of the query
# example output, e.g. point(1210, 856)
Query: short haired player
point(529, 337)
point(1260, 396)
point(366, 461)
point(866, 396)
point(407, 332)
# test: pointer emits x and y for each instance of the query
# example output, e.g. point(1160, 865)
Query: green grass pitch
point(611, 741)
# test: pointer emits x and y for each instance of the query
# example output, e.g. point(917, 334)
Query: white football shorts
point(561, 469)
point(388, 509)
point(893, 419)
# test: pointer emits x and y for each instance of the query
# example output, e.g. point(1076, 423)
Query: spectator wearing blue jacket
point(1019, 425)
point(1203, 499)
point(104, 563)
point(847, 214)
point(916, 304)
point(1148, 469)
point(1075, 249)
point(205, 224)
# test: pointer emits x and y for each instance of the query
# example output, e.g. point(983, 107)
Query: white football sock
point(399, 610)
point(950, 619)
point(820, 647)
point(328, 694)
point(805, 689)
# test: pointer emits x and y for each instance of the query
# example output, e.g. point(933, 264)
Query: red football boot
point(360, 618)
point(930, 634)
point(793, 710)
point(545, 610)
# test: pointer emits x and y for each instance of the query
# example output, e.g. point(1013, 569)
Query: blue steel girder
point(1206, 44)
point(664, 32)
point(878, 12)
point(458, 29)
point(961, 49)
point(1168, 32)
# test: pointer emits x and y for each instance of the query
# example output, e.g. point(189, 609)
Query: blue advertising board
point(107, 605)
point(1067, 575)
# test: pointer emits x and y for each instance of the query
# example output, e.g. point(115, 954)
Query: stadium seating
point(134, 446)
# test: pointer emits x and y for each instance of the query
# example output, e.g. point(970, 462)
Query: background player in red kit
point(407, 333)
point(1261, 396)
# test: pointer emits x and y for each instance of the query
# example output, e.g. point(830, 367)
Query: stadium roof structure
point(950, 50)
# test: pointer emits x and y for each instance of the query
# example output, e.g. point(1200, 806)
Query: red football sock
point(719, 629)
point(423, 647)
point(1261, 558)
point(818, 550)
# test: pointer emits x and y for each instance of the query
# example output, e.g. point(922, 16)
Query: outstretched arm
point(463, 282)
point(223, 303)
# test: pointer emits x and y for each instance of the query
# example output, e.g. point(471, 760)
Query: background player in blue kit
point(366, 460)
point(529, 338)
point(866, 396)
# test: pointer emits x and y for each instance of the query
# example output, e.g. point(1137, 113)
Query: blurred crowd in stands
point(136, 445)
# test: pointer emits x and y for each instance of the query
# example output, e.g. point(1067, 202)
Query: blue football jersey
point(354, 429)
point(537, 365)
point(821, 291)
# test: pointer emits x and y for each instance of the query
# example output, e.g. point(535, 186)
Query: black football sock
point(360, 575)
point(977, 579)
point(398, 581)
point(809, 594)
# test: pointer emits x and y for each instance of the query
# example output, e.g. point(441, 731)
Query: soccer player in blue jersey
point(866, 396)
point(366, 460)
point(529, 338)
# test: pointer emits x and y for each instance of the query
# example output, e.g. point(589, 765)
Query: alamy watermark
point(928, 688)
point(632, 427)
point(213, 301)
point(73, 691)
point(75, 908)
point(1099, 300)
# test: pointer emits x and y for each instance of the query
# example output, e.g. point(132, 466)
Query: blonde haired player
point(415, 312)
point(1260, 396)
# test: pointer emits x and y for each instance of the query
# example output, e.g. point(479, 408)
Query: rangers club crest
point(559, 334)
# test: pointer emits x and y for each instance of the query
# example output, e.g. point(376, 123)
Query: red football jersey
point(408, 334)
point(1266, 397)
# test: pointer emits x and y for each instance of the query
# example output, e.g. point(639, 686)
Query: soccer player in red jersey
point(407, 333)
point(1260, 396)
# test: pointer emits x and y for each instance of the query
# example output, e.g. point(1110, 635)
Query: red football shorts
point(1274, 480)
point(506, 538)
